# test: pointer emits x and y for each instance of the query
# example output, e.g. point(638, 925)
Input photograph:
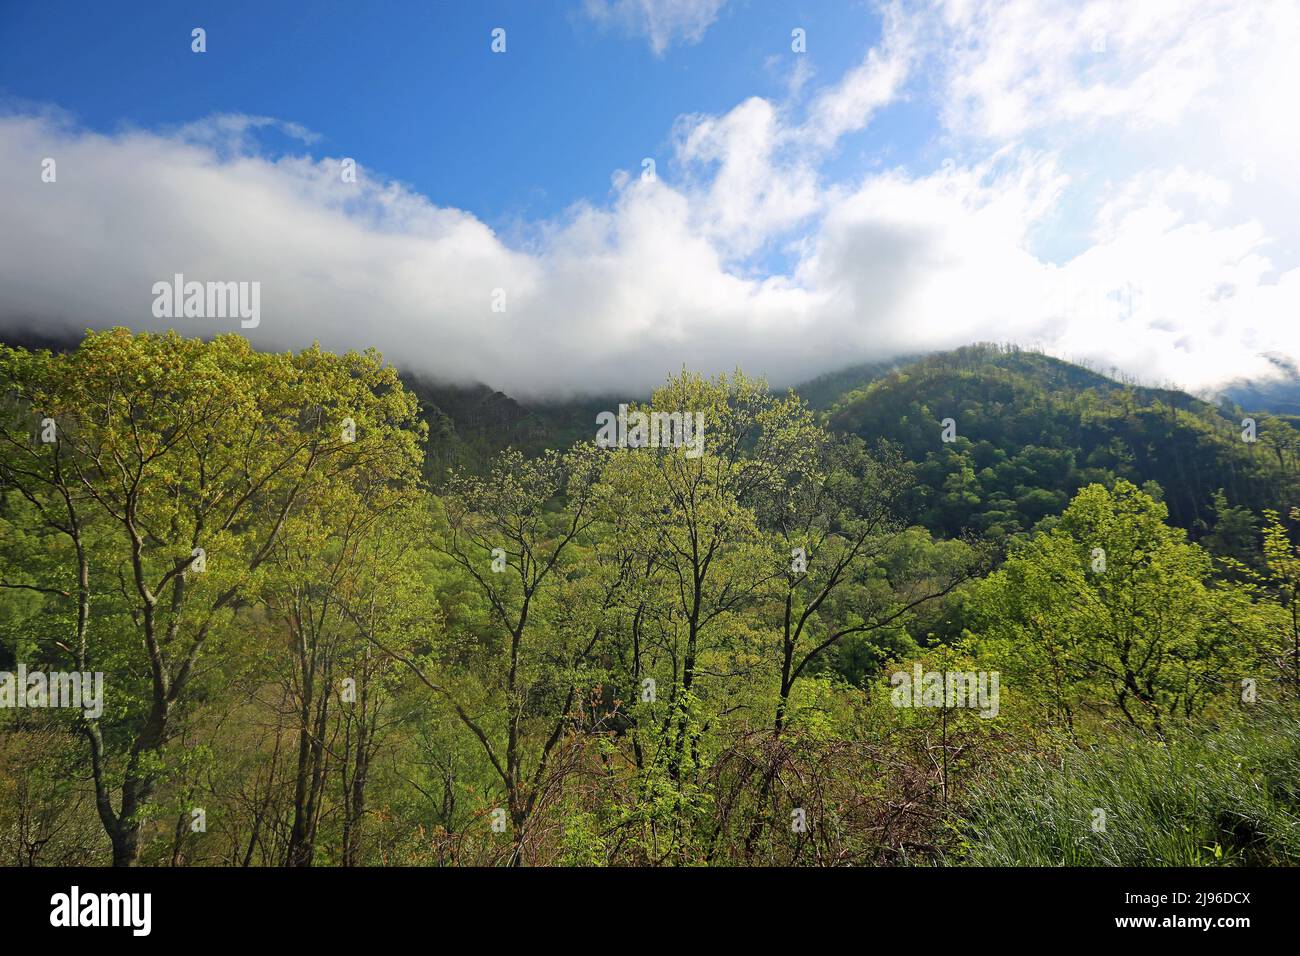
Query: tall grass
point(1229, 795)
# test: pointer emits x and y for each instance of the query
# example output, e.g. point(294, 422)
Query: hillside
point(1031, 430)
point(468, 424)
point(1280, 394)
point(659, 607)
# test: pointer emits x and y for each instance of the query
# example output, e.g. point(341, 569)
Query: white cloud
point(874, 83)
point(616, 297)
point(1012, 67)
point(1185, 269)
point(750, 189)
point(939, 261)
point(1168, 296)
point(662, 22)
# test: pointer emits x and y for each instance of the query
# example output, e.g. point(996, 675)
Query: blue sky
point(1109, 181)
point(413, 89)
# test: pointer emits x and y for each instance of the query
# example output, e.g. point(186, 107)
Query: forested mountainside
point(825, 390)
point(1031, 430)
point(1280, 395)
point(239, 625)
point(469, 424)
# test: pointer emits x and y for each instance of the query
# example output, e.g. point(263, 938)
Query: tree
point(173, 469)
point(1115, 608)
point(1235, 534)
point(695, 520)
point(843, 532)
point(1282, 560)
point(513, 534)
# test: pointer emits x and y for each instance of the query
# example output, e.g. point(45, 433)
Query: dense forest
point(978, 607)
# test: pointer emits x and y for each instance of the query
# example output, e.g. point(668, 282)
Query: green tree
point(174, 468)
point(514, 535)
point(1282, 559)
point(1113, 608)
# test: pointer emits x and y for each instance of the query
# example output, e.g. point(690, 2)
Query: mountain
point(468, 424)
point(825, 390)
point(1280, 394)
point(1030, 430)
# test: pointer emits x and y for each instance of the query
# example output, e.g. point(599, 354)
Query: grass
point(1226, 796)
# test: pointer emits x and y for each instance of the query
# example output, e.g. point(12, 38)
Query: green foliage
point(1032, 431)
point(1114, 609)
point(1222, 797)
point(637, 656)
point(177, 468)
